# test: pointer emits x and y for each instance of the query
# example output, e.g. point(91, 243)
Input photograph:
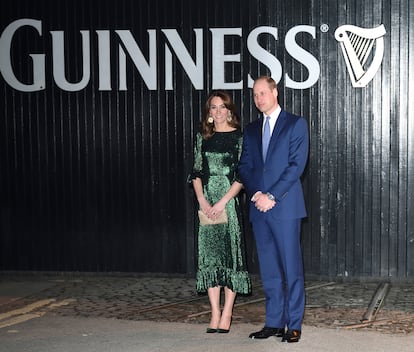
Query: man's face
point(264, 97)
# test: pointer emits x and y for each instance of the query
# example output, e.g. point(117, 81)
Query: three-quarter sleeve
point(197, 170)
point(239, 147)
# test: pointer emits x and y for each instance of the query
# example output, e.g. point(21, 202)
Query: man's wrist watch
point(270, 196)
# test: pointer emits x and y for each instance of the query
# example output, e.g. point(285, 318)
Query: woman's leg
point(227, 313)
point(214, 297)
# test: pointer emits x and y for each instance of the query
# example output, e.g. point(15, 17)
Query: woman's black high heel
point(225, 331)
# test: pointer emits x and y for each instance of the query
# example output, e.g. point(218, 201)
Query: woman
point(221, 258)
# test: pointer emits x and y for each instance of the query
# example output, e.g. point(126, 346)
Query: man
point(272, 181)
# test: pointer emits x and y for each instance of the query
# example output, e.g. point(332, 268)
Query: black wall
point(95, 179)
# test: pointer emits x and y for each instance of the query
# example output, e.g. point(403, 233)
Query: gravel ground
point(329, 304)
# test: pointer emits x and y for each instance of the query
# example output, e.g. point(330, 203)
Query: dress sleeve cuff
point(193, 175)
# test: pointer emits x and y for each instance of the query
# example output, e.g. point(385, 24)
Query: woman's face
point(218, 111)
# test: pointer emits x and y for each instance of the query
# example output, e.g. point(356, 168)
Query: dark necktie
point(266, 137)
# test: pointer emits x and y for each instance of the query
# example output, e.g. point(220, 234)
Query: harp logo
point(363, 51)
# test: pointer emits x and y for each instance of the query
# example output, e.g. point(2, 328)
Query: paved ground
point(166, 311)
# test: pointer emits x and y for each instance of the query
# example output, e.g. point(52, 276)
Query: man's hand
point(262, 202)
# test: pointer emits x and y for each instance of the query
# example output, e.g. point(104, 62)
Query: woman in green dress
point(221, 256)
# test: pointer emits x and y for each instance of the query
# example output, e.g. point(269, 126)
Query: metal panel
point(95, 179)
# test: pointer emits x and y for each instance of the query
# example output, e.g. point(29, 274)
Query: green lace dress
point(221, 252)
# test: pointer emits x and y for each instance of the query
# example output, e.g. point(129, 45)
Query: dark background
point(95, 180)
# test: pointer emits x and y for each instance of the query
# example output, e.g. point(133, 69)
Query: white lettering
point(6, 67)
point(263, 55)
point(104, 58)
point(58, 47)
point(148, 71)
point(219, 58)
point(303, 57)
point(191, 60)
point(193, 70)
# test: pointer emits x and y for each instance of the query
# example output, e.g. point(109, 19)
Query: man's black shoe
point(291, 336)
point(267, 332)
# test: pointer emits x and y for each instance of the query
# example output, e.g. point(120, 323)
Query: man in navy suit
point(275, 152)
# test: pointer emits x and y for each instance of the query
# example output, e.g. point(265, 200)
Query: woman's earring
point(210, 120)
point(229, 118)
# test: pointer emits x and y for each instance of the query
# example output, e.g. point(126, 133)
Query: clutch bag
point(205, 220)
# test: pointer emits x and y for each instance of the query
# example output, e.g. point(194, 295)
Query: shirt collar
point(273, 117)
point(275, 114)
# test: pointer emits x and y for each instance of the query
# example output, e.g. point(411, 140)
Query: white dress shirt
point(273, 118)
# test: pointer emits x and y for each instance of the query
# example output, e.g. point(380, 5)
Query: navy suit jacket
point(280, 173)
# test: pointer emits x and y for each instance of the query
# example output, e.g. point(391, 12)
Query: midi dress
point(221, 249)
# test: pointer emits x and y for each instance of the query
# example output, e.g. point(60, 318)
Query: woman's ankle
point(225, 321)
point(215, 320)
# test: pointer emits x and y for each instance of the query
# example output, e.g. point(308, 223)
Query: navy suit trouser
point(281, 269)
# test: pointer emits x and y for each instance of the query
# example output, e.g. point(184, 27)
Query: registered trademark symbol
point(324, 28)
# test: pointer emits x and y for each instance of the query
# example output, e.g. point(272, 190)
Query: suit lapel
point(276, 131)
point(259, 132)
